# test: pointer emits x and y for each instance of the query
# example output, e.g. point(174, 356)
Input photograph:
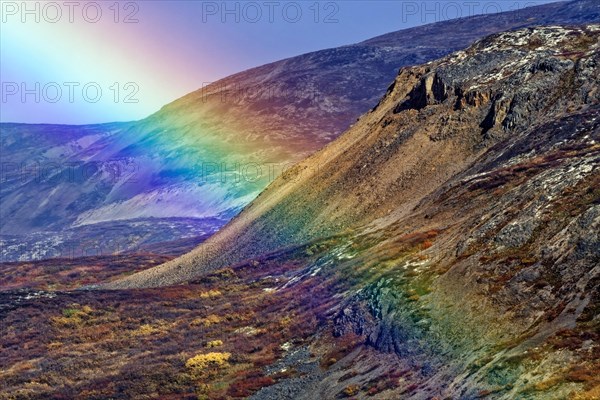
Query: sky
point(82, 62)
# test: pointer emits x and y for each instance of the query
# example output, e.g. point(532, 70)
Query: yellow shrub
point(214, 343)
point(87, 309)
point(72, 317)
point(65, 321)
point(158, 326)
point(208, 321)
point(351, 390)
point(210, 294)
point(202, 365)
point(145, 330)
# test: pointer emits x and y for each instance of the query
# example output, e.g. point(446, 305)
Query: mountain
point(185, 171)
point(455, 226)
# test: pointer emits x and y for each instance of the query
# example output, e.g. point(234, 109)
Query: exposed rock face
point(466, 206)
point(276, 114)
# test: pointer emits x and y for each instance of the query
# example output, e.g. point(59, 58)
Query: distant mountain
point(456, 226)
point(186, 170)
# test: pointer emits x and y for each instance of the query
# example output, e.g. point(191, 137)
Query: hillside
point(455, 225)
point(185, 171)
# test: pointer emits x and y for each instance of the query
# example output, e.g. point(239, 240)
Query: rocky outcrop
point(430, 90)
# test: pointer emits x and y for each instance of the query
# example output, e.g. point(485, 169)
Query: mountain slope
point(455, 225)
point(434, 122)
point(187, 169)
